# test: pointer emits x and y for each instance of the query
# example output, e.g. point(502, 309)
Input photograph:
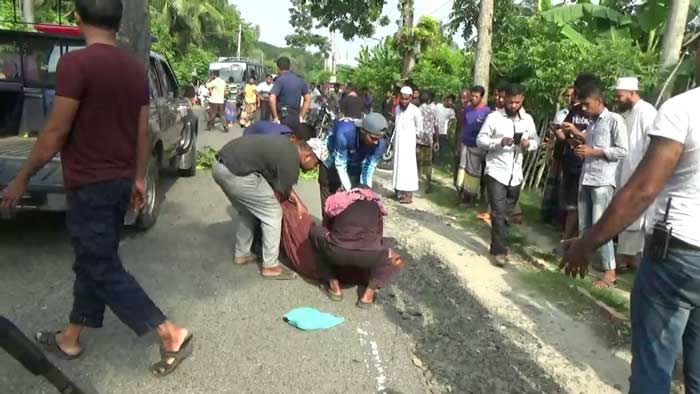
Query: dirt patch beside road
point(479, 328)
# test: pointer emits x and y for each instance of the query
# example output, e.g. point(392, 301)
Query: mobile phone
point(555, 126)
point(517, 138)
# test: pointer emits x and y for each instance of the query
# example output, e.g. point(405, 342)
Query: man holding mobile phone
point(505, 135)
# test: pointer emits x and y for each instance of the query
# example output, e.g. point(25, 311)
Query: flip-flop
point(162, 368)
point(284, 275)
point(331, 295)
point(606, 284)
point(47, 341)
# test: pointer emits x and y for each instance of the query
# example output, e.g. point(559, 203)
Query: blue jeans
point(665, 319)
point(94, 220)
point(592, 202)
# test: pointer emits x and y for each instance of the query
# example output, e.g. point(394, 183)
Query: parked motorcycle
point(322, 121)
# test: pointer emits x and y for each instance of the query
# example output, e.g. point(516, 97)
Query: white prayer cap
point(406, 90)
point(627, 83)
point(320, 149)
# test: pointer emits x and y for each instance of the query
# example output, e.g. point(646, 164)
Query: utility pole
point(482, 58)
point(240, 30)
point(28, 11)
point(135, 32)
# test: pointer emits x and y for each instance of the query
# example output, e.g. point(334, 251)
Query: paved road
point(242, 344)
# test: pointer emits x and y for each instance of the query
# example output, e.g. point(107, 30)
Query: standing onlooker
point(472, 157)
point(506, 133)
point(427, 140)
point(264, 89)
point(104, 156)
point(606, 144)
point(388, 105)
point(570, 135)
point(333, 98)
point(315, 96)
point(640, 117)
point(217, 101)
point(460, 106)
point(251, 101)
point(499, 97)
point(551, 211)
point(446, 118)
point(286, 96)
point(415, 100)
point(666, 294)
point(369, 100)
point(352, 105)
point(408, 124)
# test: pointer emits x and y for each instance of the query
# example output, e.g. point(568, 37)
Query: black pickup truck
point(27, 89)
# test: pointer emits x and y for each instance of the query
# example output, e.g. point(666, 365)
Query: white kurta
point(639, 121)
point(408, 124)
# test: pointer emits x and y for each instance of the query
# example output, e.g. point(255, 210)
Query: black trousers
point(94, 220)
point(377, 261)
point(502, 200)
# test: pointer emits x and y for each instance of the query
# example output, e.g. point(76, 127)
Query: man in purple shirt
point(471, 157)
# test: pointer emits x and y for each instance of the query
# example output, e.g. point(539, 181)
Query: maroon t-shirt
point(111, 86)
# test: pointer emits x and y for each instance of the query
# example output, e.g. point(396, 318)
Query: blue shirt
point(289, 89)
point(350, 157)
point(474, 118)
point(267, 127)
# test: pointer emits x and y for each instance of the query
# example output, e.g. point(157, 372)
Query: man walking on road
point(505, 135)
point(104, 156)
point(427, 140)
point(264, 89)
point(665, 299)
point(446, 118)
point(286, 96)
point(255, 172)
point(409, 122)
point(217, 101)
point(606, 144)
point(640, 117)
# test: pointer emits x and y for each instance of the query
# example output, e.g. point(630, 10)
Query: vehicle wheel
point(190, 156)
point(149, 214)
point(387, 160)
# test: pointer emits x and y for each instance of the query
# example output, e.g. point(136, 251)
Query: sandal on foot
point(47, 341)
point(364, 305)
point(163, 368)
point(247, 260)
point(330, 294)
point(603, 283)
point(284, 275)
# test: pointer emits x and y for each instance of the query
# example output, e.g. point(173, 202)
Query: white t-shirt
point(264, 87)
point(679, 120)
point(218, 91)
point(444, 115)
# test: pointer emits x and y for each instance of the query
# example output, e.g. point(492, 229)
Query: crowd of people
point(608, 169)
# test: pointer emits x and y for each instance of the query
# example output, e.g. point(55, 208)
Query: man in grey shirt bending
point(606, 144)
point(254, 172)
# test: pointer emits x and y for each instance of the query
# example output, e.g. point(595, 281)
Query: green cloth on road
point(311, 319)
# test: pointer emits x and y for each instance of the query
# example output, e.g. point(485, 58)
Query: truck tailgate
point(14, 151)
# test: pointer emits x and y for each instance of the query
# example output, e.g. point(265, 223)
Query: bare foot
point(243, 260)
point(334, 287)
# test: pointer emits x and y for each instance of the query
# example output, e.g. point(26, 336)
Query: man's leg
point(318, 236)
point(211, 116)
point(329, 183)
point(691, 352)
point(95, 218)
point(246, 223)
point(600, 198)
point(664, 318)
point(498, 202)
point(222, 115)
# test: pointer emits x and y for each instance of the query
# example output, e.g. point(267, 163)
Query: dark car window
point(169, 79)
point(154, 79)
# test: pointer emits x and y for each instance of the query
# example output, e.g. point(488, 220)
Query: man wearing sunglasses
point(355, 147)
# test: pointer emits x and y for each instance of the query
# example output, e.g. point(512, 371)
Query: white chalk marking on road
point(374, 359)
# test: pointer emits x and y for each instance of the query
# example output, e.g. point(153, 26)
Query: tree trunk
point(28, 11)
point(409, 58)
point(482, 57)
point(673, 37)
point(135, 33)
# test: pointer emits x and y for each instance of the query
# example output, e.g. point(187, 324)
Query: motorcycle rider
point(355, 147)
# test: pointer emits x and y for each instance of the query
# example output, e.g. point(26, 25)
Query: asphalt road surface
point(242, 345)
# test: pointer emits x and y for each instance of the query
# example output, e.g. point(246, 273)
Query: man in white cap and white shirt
point(409, 124)
point(640, 116)
point(254, 172)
